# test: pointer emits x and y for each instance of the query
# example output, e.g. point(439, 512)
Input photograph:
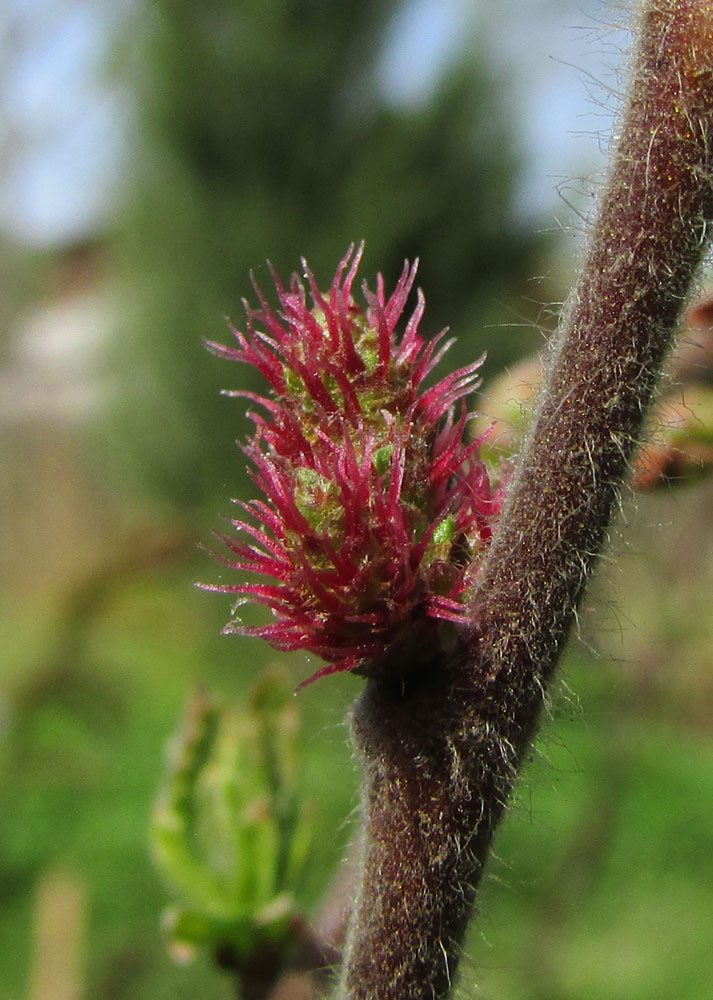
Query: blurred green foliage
point(81, 760)
point(602, 877)
point(261, 132)
point(231, 831)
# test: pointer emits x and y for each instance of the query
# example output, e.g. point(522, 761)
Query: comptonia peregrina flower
point(375, 507)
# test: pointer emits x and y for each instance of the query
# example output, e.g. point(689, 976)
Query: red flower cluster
point(375, 507)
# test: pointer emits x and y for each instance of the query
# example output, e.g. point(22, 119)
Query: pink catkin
point(360, 466)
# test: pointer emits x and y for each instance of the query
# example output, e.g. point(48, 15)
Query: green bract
point(228, 833)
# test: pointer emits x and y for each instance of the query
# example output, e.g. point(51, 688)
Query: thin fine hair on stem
point(442, 733)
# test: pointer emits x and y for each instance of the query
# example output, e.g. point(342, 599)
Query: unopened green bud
point(229, 833)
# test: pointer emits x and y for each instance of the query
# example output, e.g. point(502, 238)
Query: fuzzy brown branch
point(442, 740)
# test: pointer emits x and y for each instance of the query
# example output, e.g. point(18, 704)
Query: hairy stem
point(442, 738)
